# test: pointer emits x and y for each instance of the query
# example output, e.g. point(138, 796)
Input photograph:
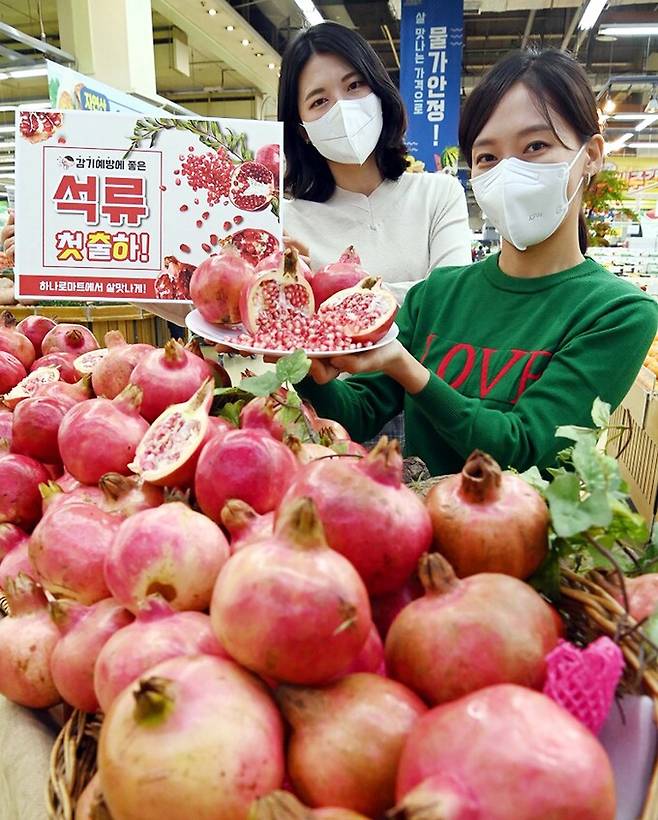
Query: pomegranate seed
point(205, 214)
point(238, 219)
point(191, 148)
point(61, 140)
point(163, 187)
point(199, 223)
point(176, 172)
point(181, 157)
point(206, 247)
point(227, 226)
point(184, 248)
point(196, 199)
point(184, 208)
point(177, 180)
point(214, 239)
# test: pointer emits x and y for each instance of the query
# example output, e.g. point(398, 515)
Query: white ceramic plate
point(227, 336)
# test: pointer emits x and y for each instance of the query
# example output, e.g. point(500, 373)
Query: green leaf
point(293, 399)
point(533, 477)
point(261, 385)
point(546, 579)
point(601, 414)
point(231, 411)
point(567, 512)
point(293, 368)
point(574, 433)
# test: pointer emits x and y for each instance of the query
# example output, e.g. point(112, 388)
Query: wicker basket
point(591, 611)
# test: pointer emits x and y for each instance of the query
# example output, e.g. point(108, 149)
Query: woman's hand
point(7, 237)
point(300, 247)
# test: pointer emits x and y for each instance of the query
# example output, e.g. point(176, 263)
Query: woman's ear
point(595, 154)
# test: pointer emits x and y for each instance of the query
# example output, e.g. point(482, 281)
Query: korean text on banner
point(115, 207)
point(432, 35)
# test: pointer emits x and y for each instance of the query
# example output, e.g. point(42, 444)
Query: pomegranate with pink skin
point(347, 739)
point(443, 797)
point(268, 155)
point(20, 499)
point(35, 328)
point(308, 451)
point(245, 464)
point(170, 550)
point(84, 631)
point(487, 520)
point(244, 525)
point(112, 373)
point(346, 273)
point(27, 640)
point(168, 453)
point(290, 608)
point(386, 608)
point(29, 386)
point(371, 657)
point(167, 377)
point(15, 562)
point(63, 361)
point(363, 502)
point(253, 244)
point(642, 593)
point(283, 804)
point(35, 428)
point(217, 284)
point(220, 377)
point(364, 312)
point(69, 338)
point(14, 342)
point(115, 494)
point(6, 427)
point(252, 186)
point(88, 362)
point(470, 633)
point(68, 549)
point(157, 634)
point(90, 805)
point(11, 372)
point(276, 295)
point(547, 764)
point(275, 260)
point(71, 393)
point(101, 436)
point(266, 412)
point(162, 725)
point(11, 536)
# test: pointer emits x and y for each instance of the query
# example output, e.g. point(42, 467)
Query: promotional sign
point(114, 207)
point(431, 39)
point(70, 90)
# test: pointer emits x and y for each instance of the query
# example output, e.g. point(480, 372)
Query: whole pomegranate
point(71, 393)
point(11, 537)
point(20, 499)
point(386, 608)
point(35, 328)
point(68, 549)
point(84, 631)
point(362, 503)
point(157, 633)
point(371, 657)
point(290, 608)
point(68, 338)
point(466, 634)
point(245, 464)
point(485, 520)
point(27, 640)
point(440, 795)
point(346, 273)
point(347, 739)
point(547, 764)
point(63, 361)
point(642, 594)
point(11, 371)
point(112, 373)
point(35, 428)
point(217, 284)
point(167, 377)
point(162, 725)
point(101, 436)
point(268, 155)
point(243, 524)
point(14, 342)
point(171, 550)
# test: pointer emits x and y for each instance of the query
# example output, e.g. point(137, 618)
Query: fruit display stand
point(134, 323)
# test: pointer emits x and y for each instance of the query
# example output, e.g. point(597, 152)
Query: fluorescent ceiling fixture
point(258, 54)
point(630, 30)
point(646, 122)
point(609, 106)
point(271, 66)
point(629, 115)
point(310, 11)
point(591, 14)
point(618, 143)
point(3, 76)
point(19, 73)
point(246, 42)
point(653, 145)
point(230, 28)
point(212, 12)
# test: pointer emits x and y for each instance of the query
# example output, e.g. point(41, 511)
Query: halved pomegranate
point(86, 363)
point(168, 453)
point(174, 281)
point(252, 186)
point(253, 244)
point(30, 385)
point(364, 312)
point(277, 295)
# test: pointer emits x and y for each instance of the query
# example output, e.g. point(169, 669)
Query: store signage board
point(116, 207)
point(431, 41)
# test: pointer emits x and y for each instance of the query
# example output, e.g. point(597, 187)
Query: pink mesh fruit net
point(583, 681)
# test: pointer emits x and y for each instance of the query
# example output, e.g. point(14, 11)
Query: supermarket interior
point(328, 410)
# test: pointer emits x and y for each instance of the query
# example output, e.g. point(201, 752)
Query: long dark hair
point(555, 80)
point(307, 172)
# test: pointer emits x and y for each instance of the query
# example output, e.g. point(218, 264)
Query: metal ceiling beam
point(51, 52)
point(528, 27)
point(568, 34)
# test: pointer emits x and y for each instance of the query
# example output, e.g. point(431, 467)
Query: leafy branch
point(209, 132)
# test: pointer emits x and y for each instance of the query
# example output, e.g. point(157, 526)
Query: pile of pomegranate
point(269, 624)
point(283, 306)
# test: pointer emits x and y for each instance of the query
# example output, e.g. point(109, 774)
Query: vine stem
point(618, 570)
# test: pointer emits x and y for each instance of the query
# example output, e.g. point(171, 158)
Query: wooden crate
point(136, 324)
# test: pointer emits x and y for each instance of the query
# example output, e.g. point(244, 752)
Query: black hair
point(307, 173)
point(555, 80)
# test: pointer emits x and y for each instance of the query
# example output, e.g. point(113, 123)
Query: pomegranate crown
point(66, 614)
point(24, 595)
point(384, 462)
point(8, 319)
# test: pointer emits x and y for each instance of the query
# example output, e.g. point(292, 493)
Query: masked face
point(349, 132)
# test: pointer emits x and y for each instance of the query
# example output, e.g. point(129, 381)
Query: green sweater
point(510, 360)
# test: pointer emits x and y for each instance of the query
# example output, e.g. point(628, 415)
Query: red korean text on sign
point(78, 196)
point(124, 200)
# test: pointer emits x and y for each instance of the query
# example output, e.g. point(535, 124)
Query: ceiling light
point(3, 76)
point(653, 145)
point(609, 106)
point(271, 66)
point(310, 12)
point(246, 42)
point(258, 54)
point(652, 106)
point(591, 14)
point(618, 143)
point(630, 30)
point(230, 28)
point(212, 12)
point(646, 122)
point(7, 146)
point(19, 73)
point(7, 129)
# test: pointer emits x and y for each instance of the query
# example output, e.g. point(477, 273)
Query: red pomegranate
point(174, 281)
point(244, 524)
point(253, 244)
point(20, 499)
point(14, 342)
point(217, 284)
point(15, 562)
point(35, 327)
point(11, 537)
point(35, 428)
point(69, 338)
point(252, 186)
point(268, 155)
point(467, 634)
point(346, 273)
point(112, 373)
point(485, 520)
point(63, 361)
point(11, 371)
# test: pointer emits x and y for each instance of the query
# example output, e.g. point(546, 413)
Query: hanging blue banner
point(431, 40)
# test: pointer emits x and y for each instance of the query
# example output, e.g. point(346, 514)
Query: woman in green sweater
point(496, 355)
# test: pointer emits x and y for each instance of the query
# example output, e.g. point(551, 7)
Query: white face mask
point(526, 201)
point(349, 132)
